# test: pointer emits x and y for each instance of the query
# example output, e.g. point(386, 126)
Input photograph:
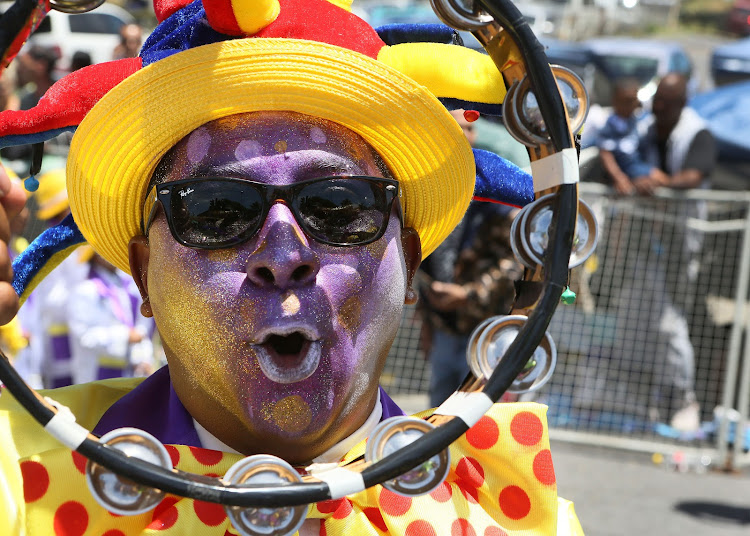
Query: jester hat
point(211, 59)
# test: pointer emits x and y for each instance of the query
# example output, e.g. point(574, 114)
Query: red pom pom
point(471, 115)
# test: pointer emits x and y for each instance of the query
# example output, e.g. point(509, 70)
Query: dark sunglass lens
point(208, 213)
point(343, 211)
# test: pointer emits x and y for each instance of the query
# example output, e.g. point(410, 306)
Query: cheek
point(388, 288)
point(364, 286)
point(189, 297)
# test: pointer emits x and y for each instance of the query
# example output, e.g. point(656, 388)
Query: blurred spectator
point(677, 141)
point(35, 74)
point(80, 60)
point(8, 98)
point(467, 279)
point(50, 343)
point(618, 141)
point(131, 38)
point(14, 336)
point(109, 337)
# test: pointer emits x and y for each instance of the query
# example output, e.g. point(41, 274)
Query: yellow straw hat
point(122, 138)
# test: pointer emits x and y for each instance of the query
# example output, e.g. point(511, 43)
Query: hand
point(142, 370)
point(135, 336)
point(623, 186)
point(446, 296)
point(12, 200)
point(646, 185)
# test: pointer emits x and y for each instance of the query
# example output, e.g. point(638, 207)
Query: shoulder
point(20, 434)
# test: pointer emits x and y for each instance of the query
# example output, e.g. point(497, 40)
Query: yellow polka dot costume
point(501, 483)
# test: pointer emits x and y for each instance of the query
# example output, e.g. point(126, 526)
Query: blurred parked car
point(380, 14)
point(96, 33)
point(647, 60)
point(738, 20)
point(731, 62)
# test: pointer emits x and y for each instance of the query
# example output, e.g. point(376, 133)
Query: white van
point(96, 32)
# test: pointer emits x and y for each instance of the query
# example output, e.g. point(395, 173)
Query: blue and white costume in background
point(102, 311)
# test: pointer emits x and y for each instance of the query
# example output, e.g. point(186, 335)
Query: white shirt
point(100, 328)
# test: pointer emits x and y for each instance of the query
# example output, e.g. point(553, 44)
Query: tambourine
point(127, 470)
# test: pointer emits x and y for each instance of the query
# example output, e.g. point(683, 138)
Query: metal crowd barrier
point(661, 311)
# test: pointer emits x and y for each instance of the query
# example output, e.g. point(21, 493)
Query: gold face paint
point(290, 305)
point(280, 147)
point(291, 414)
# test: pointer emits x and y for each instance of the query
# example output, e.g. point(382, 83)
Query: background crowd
point(82, 322)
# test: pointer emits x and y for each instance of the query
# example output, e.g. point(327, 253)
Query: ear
point(138, 254)
point(412, 247)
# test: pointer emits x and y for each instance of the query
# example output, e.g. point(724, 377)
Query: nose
point(283, 257)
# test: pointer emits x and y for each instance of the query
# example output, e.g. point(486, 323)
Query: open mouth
point(288, 357)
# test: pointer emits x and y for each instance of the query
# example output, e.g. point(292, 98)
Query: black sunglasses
point(221, 212)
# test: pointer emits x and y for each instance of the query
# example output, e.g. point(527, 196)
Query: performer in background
point(108, 335)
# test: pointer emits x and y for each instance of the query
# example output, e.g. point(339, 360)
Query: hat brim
point(121, 140)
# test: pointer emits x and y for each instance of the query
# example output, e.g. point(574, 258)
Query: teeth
point(307, 333)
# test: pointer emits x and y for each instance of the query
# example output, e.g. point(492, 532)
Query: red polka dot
point(494, 531)
point(514, 502)
point(376, 518)
point(469, 492)
point(114, 532)
point(442, 493)
point(35, 481)
point(526, 428)
point(420, 527)
point(206, 456)
point(394, 504)
point(544, 471)
point(344, 509)
point(71, 519)
point(483, 434)
point(210, 514)
point(470, 471)
point(329, 506)
point(79, 460)
point(462, 527)
point(165, 515)
point(174, 454)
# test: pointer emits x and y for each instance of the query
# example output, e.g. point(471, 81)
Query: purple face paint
point(198, 144)
point(277, 345)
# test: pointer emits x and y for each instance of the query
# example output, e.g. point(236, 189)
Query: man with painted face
point(292, 323)
point(272, 195)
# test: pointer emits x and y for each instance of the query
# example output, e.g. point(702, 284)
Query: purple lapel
point(153, 406)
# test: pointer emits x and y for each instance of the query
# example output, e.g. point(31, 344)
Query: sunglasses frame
point(161, 194)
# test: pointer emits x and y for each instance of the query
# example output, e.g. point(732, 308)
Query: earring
point(411, 296)
point(146, 308)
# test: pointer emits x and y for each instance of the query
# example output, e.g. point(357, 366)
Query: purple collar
point(174, 425)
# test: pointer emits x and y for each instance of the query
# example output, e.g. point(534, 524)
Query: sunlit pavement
point(620, 493)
